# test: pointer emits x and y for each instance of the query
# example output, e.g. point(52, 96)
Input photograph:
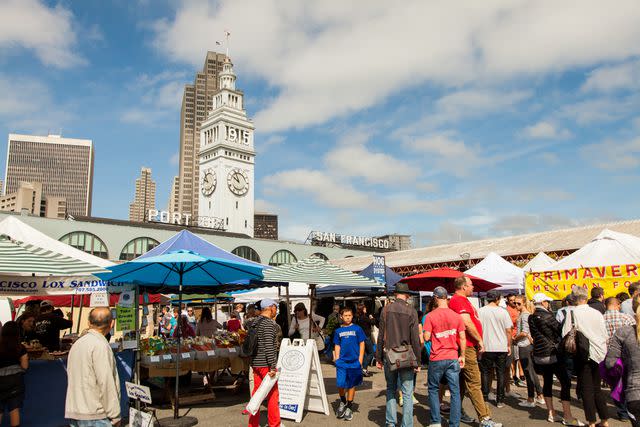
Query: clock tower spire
point(226, 158)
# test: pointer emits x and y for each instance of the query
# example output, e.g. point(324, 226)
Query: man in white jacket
point(93, 391)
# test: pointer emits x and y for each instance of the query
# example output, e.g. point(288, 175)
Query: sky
point(448, 121)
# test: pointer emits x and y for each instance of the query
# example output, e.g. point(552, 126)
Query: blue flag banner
point(379, 271)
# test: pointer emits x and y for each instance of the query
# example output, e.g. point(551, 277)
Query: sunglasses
point(518, 303)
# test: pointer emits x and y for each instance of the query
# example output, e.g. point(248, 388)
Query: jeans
point(91, 423)
point(404, 379)
point(368, 353)
point(450, 369)
point(487, 363)
point(533, 383)
point(592, 397)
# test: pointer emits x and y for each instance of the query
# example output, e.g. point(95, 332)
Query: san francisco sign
point(348, 240)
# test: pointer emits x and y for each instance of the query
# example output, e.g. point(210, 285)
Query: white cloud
point(157, 98)
point(48, 32)
point(478, 102)
point(375, 167)
point(600, 110)
point(612, 78)
point(270, 140)
point(613, 155)
point(27, 105)
point(545, 130)
point(326, 60)
point(262, 205)
point(550, 158)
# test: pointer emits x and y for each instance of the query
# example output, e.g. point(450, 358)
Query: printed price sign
point(99, 299)
point(125, 318)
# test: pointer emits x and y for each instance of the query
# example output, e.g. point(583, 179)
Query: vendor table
point(46, 390)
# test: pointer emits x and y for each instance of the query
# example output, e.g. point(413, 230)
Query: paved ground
point(369, 407)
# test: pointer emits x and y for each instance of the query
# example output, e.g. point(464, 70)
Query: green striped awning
point(26, 260)
point(316, 271)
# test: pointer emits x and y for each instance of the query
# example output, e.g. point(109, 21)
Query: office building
point(197, 102)
point(64, 167)
point(265, 226)
point(145, 197)
point(174, 202)
point(28, 199)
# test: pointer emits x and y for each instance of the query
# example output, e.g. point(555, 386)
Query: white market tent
point(496, 269)
point(608, 248)
point(21, 232)
point(297, 291)
point(540, 262)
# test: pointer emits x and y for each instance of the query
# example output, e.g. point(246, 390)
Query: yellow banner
point(557, 284)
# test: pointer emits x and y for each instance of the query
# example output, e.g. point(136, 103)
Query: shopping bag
point(261, 393)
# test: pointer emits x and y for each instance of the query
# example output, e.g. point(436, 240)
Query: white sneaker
point(527, 404)
point(491, 396)
point(539, 401)
point(513, 394)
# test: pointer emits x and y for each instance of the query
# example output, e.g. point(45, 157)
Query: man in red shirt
point(470, 379)
point(444, 327)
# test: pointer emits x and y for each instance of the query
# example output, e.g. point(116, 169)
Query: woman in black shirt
point(13, 362)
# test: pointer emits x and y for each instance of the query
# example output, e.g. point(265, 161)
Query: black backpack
point(250, 343)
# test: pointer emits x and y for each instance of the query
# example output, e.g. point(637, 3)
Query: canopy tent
point(608, 248)
point(317, 272)
point(539, 262)
point(497, 270)
point(186, 240)
point(202, 298)
point(296, 291)
point(391, 276)
point(26, 269)
point(67, 300)
point(610, 261)
point(23, 259)
point(445, 277)
point(21, 232)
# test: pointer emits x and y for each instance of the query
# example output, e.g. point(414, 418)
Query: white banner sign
point(99, 299)
point(11, 285)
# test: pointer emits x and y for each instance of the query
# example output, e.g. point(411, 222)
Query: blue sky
point(446, 121)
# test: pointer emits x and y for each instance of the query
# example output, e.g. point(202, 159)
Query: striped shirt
point(267, 354)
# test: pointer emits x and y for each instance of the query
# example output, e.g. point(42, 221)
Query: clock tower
point(226, 159)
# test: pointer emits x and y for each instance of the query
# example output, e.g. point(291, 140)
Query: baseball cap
point(493, 295)
point(267, 302)
point(440, 293)
point(540, 297)
point(46, 303)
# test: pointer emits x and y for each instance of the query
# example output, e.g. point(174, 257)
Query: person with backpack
point(261, 345)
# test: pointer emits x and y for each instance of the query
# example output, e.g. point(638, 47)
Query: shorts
point(515, 353)
point(12, 403)
point(348, 377)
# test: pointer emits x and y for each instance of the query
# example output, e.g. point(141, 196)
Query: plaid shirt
point(614, 319)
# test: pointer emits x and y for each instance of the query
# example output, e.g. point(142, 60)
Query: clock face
point(209, 181)
point(238, 182)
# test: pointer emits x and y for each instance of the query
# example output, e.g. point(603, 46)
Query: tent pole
point(73, 303)
point(80, 313)
point(215, 310)
point(176, 402)
point(312, 288)
point(136, 353)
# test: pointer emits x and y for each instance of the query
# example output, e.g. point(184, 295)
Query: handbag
point(569, 342)
point(319, 339)
point(400, 357)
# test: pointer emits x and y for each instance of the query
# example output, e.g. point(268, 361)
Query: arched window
point(87, 242)
point(247, 253)
point(319, 255)
point(137, 247)
point(283, 256)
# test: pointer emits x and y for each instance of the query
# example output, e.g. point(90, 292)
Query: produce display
point(155, 346)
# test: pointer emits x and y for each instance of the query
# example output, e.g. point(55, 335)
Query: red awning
point(65, 300)
point(444, 277)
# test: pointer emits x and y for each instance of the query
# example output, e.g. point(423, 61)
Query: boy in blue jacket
point(348, 354)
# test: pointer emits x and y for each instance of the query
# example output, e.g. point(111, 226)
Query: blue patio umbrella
point(182, 269)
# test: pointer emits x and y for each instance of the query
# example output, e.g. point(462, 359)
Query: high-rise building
point(174, 203)
point(64, 166)
point(226, 159)
point(145, 197)
point(197, 101)
point(29, 199)
point(265, 226)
